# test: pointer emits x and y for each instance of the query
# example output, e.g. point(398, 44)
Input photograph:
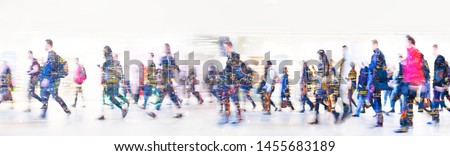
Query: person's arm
point(34, 70)
point(50, 66)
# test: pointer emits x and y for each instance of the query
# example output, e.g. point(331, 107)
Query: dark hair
point(321, 52)
point(243, 65)
point(435, 46)
point(344, 46)
point(49, 42)
point(269, 62)
point(374, 41)
point(228, 43)
point(30, 52)
point(108, 49)
point(411, 39)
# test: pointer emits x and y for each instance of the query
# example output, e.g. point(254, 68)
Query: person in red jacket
point(411, 65)
point(79, 77)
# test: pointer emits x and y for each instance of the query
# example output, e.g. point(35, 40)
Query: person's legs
point(77, 91)
point(438, 98)
point(54, 93)
point(225, 102)
point(147, 93)
point(196, 94)
point(361, 102)
point(407, 114)
point(45, 95)
point(319, 99)
point(378, 107)
point(395, 95)
point(249, 97)
point(31, 89)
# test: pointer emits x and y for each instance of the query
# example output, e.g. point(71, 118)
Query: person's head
point(321, 54)
point(107, 52)
point(435, 49)
point(30, 54)
point(228, 47)
point(331, 61)
point(375, 44)
point(152, 56)
point(116, 56)
point(269, 64)
point(285, 70)
point(410, 41)
point(400, 57)
point(344, 49)
point(305, 64)
point(48, 44)
point(77, 60)
point(352, 64)
point(167, 48)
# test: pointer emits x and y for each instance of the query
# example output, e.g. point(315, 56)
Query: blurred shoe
point(43, 114)
point(178, 115)
point(433, 122)
point(315, 122)
point(124, 113)
point(403, 129)
point(378, 125)
point(44, 106)
point(239, 117)
point(141, 107)
point(151, 114)
point(336, 116)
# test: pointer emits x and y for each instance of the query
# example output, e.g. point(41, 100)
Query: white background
point(293, 28)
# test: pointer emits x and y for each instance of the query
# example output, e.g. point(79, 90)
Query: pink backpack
point(80, 75)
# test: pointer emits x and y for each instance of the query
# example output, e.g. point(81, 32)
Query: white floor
point(199, 120)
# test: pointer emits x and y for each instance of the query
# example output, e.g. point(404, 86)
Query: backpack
point(79, 79)
point(62, 68)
